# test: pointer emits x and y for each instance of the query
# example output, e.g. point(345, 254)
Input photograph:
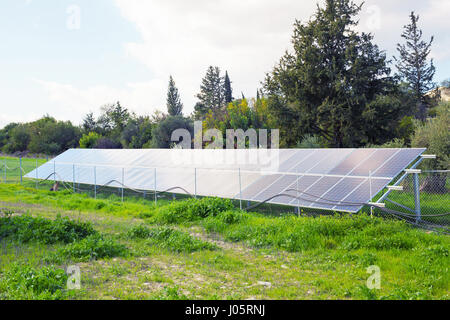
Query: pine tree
point(228, 89)
point(89, 123)
point(413, 63)
point(174, 105)
point(329, 84)
point(212, 89)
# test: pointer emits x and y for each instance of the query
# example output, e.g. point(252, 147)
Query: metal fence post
point(123, 181)
point(73, 177)
point(297, 195)
point(417, 197)
point(240, 189)
point(20, 169)
point(370, 192)
point(195, 183)
point(95, 182)
point(54, 171)
point(156, 198)
point(37, 176)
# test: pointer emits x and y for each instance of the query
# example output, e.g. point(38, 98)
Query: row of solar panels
point(330, 179)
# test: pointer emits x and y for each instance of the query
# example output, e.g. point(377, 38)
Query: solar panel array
point(330, 179)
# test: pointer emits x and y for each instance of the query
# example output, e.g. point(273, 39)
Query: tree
point(228, 89)
point(174, 105)
point(212, 89)
point(413, 65)
point(326, 84)
point(89, 141)
point(162, 133)
point(19, 139)
point(50, 136)
point(89, 123)
point(435, 136)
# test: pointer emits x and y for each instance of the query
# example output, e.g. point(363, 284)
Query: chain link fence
point(422, 199)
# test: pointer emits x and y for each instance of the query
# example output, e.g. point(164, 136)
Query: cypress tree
point(413, 65)
point(228, 89)
point(174, 105)
point(212, 89)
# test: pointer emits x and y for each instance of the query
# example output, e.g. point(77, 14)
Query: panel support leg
point(417, 197)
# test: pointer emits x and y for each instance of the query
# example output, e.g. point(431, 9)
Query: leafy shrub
point(171, 293)
point(23, 282)
point(89, 141)
point(310, 142)
point(26, 229)
point(92, 248)
point(192, 210)
point(178, 241)
point(139, 232)
point(435, 136)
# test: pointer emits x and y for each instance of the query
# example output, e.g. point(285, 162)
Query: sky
point(66, 58)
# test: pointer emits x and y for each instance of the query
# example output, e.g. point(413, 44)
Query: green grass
point(13, 168)
point(169, 238)
point(24, 282)
point(207, 250)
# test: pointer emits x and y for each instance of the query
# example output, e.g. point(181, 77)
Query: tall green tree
point(228, 89)
point(89, 123)
point(413, 65)
point(212, 90)
point(174, 105)
point(328, 84)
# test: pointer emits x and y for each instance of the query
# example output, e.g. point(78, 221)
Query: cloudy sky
point(67, 58)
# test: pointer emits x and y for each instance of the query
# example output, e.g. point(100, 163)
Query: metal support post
point(20, 168)
point(417, 197)
point(123, 181)
point(95, 182)
point(240, 189)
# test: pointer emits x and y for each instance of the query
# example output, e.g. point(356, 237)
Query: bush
point(435, 135)
point(171, 239)
point(139, 232)
point(92, 248)
point(310, 142)
point(28, 229)
point(192, 210)
point(23, 282)
point(89, 141)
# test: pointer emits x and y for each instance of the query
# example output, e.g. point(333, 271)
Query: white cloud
point(246, 37)
point(73, 103)
point(183, 38)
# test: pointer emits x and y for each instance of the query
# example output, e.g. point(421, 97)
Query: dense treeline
point(335, 88)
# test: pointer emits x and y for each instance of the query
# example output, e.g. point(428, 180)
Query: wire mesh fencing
point(422, 199)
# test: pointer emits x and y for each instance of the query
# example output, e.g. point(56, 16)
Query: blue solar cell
point(326, 173)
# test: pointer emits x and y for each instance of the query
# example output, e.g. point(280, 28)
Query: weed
point(169, 238)
point(23, 282)
point(192, 210)
point(27, 229)
point(92, 248)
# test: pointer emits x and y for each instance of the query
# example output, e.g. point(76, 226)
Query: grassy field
point(12, 174)
point(205, 249)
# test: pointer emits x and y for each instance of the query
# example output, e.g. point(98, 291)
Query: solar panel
point(329, 179)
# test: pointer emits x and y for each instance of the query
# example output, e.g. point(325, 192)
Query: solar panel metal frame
point(133, 159)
